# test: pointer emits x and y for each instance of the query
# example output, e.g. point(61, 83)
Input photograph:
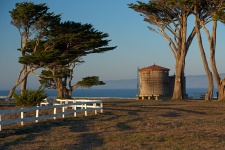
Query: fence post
point(101, 105)
point(54, 113)
point(94, 106)
point(63, 110)
point(75, 108)
point(66, 102)
point(82, 104)
point(85, 107)
point(22, 116)
point(37, 113)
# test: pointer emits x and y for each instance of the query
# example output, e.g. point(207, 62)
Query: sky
point(136, 45)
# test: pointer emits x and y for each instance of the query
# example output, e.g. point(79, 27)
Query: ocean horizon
point(114, 93)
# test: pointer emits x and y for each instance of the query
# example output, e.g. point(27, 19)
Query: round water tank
point(154, 80)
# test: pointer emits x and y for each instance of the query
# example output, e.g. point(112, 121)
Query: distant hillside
point(192, 81)
point(198, 81)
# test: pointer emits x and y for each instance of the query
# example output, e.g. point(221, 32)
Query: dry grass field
point(126, 125)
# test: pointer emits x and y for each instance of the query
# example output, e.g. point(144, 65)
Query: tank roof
point(154, 68)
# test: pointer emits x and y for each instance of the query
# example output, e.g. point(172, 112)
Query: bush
point(30, 97)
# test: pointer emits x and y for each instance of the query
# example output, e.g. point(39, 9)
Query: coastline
point(110, 93)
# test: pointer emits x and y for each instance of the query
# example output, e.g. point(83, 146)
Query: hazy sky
point(137, 46)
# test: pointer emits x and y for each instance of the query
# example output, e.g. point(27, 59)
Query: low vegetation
point(30, 98)
point(126, 124)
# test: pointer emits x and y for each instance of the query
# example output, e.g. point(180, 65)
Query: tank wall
point(154, 83)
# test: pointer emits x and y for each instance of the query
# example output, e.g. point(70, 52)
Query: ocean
point(111, 93)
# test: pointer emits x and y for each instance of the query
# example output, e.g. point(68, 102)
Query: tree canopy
point(67, 42)
point(55, 46)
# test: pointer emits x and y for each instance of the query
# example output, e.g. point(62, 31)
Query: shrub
point(30, 97)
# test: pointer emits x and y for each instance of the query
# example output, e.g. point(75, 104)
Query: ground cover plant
point(126, 124)
point(30, 97)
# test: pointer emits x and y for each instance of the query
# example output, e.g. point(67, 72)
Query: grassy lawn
point(126, 124)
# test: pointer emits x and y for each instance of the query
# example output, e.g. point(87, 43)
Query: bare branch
point(173, 47)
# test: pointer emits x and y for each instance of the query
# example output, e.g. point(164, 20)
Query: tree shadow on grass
point(79, 126)
point(31, 128)
point(176, 109)
point(89, 141)
point(28, 137)
point(171, 114)
point(188, 111)
point(30, 131)
point(133, 113)
point(122, 126)
point(130, 111)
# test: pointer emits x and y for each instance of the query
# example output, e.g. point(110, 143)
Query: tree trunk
point(220, 83)
point(209, 93)
point(178, 92)
point(18, 83)
point(12, 90)
point(221, 90)
point(58, 81)
point(24, 83)
point(60, 90)
point(68, 93)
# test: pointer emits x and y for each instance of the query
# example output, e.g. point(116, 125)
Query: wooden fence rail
point(78, 106)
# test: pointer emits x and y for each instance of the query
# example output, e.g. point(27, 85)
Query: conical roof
point(154, 68)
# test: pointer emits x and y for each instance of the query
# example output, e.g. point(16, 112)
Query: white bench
point(44, 102)
point(48, 101)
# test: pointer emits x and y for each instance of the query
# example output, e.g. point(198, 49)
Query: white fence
point(77, 106)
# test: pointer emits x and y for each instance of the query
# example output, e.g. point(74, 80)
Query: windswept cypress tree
point(66, 44)
point(33, 22)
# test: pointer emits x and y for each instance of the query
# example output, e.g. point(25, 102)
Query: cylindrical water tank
point(154, 80)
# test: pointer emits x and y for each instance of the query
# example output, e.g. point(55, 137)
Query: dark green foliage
point(42, 58)
point(47, 81)
point(32, 17)
point(30, 97)
point(26, 13)
point(67, 42)
point(90, 81)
